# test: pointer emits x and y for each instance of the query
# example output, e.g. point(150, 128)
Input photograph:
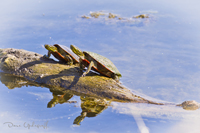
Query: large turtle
point(62, 53)
point(96, 62)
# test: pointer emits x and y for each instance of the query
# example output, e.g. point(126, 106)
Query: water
point(158, 57)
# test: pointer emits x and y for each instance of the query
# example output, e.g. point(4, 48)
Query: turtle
point(96, 62)
point(62, 53)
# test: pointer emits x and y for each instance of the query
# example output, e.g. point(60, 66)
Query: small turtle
point(96, 62)
point(62, 53)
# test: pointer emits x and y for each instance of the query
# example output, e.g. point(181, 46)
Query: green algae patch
point(48, 68)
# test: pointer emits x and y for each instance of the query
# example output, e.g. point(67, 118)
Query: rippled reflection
point(91, 106)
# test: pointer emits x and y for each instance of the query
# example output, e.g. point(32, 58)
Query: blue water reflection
point(158, 57)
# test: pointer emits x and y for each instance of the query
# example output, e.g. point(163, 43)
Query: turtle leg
point(82, 66)
point(69, 59)
point(48, 54)
point(115, 77)
point(88, 69)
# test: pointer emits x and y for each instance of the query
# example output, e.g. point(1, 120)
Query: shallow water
point(157, 56)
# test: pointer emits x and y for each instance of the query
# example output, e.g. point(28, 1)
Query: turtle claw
point(83, 75)
point(45, 56)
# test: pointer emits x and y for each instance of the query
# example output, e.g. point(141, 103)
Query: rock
point(142, 16)
point(190, 105)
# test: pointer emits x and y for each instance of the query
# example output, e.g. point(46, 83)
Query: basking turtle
point(96, 62)
point(62, 53)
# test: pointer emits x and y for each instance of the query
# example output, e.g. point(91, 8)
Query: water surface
point(158, 57)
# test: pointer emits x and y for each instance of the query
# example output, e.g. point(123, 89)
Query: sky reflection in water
point(158, 57)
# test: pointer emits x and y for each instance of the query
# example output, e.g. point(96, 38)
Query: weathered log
point(37, 70)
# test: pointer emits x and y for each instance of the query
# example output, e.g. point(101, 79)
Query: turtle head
point(50, 48)
point(77, 51)
point(116, 76)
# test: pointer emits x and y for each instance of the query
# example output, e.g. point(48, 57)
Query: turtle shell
point(64, 50)
point(102, 64)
